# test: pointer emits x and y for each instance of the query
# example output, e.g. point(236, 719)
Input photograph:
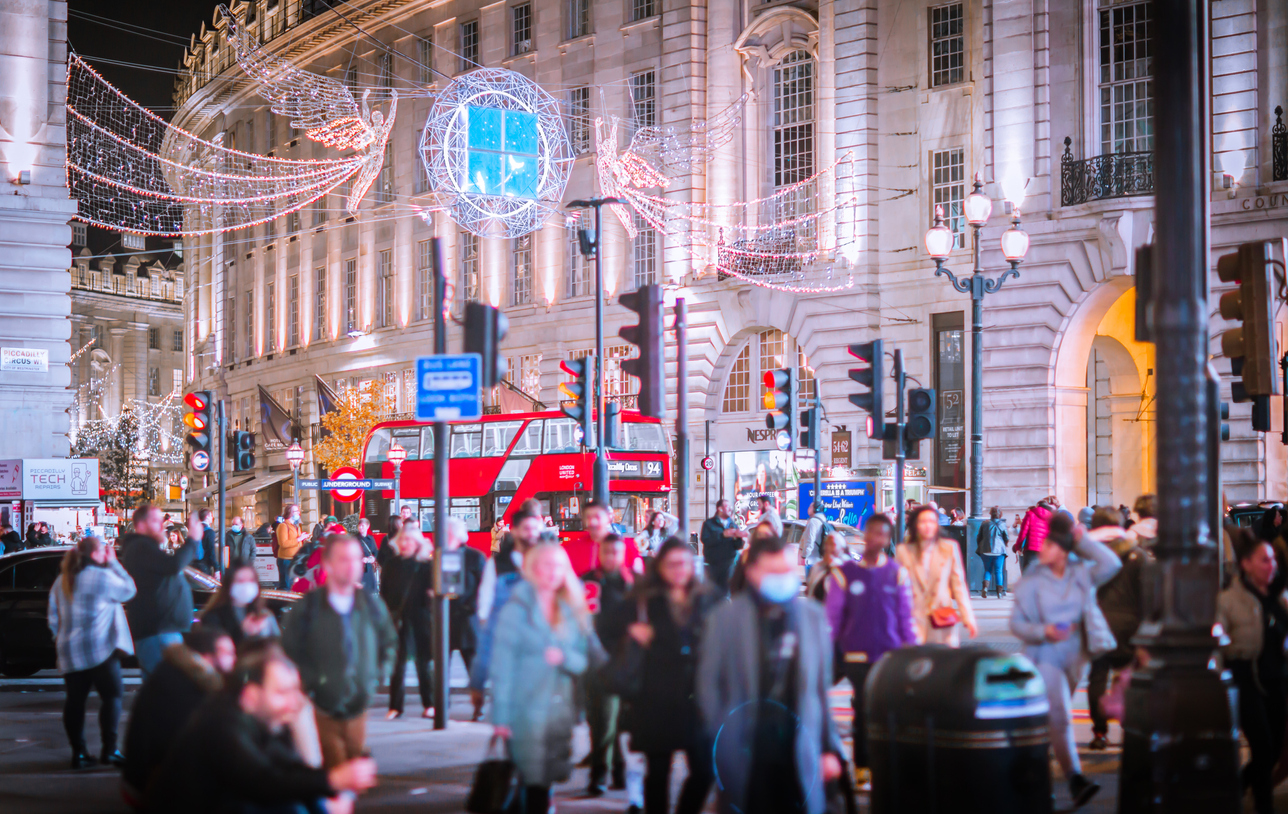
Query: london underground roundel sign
point(346, 473)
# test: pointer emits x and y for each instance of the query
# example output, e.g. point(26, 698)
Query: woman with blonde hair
point(406, 583)
point(934, 564)
point(544, 640)
point(87, 617)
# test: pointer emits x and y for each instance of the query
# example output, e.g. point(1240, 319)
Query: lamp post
point(939, 244)
point(295, 457)
point(396, 456)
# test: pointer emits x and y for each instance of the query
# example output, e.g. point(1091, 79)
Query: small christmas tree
point(123, 453)
point(359, 410)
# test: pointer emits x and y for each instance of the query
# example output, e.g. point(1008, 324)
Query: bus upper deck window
point(466, 442)
point(378, 446)
point(497, 437)
point(529, 442)
point(644, 437)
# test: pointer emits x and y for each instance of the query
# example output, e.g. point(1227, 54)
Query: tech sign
point(50, 479)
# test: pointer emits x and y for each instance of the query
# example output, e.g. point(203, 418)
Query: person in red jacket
point(1033, 533)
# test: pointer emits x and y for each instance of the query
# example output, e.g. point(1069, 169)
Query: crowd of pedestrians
point(730, 663)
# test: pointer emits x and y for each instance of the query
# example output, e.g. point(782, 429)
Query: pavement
point(421, 770)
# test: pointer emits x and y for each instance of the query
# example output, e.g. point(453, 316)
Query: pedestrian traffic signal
point(921, 414)
point(1251, 346)
point(873, 378)
point(811, 428)
point(243, 451)
point(780, 400)
point(579, 394)
point(485, 327)
point(198, 420)
point(650, 365)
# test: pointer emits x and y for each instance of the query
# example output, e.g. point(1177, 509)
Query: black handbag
point(496, 783)
point(623, 675)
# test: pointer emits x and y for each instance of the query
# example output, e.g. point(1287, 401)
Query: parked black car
point(26, 645)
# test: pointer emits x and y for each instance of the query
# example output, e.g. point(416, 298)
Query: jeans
point(283, 574)
point(106, 679)
point(857, 673)
point(418, 632)
point(994, 566)
point(148, 650)
point(1026, 557)
point(601, 718)
point(697, 786)
point(531, 800)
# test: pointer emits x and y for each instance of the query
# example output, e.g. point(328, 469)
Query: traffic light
point(1223, 416)
point(1251, 346)
point(243, 451)
point(485, 327)
point(781, 400)
point(650, 365)
point(811, 428)
point(920, 421)
point(580, 392)
point(198, 419)
point(873, 378)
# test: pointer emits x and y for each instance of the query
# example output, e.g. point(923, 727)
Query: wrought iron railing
point(1115, 175)
point(1279, 147)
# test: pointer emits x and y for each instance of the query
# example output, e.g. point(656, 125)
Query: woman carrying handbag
point(934, 564)
point(666, 621)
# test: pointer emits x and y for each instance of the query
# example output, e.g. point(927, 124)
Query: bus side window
point(529, 442)
point(427, 442)
point(466, 442)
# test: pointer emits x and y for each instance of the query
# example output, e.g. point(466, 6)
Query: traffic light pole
point(682, 411)
point(222, 432)
point(441, 637)
point(900, 454)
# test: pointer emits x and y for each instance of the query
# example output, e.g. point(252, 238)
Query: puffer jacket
point(1120, 598)
point(1034, 528)
point(1239, 613)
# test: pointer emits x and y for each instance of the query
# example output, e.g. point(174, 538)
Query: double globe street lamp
point(939, 245)
point(295, 457)
point(396, 455)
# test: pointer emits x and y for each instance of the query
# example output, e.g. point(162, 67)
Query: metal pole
point(976, 386)
point(682, 410)
point(398, 489)
point(295, 489)
point(599, 483)
point(442, 640)
point(706, 479)
point(818, 448)
point(223, 455)
point(899, 454)
point(1180, 752)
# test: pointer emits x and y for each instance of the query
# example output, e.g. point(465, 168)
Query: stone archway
point(1105, 444)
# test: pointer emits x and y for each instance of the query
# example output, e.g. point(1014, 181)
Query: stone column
point(134, 365)
point(114, 391)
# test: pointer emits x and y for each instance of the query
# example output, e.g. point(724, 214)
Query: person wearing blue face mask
point(763, 677)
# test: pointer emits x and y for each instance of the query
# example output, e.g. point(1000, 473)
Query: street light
point(939, 245)
point(396, 456)
point(295, 457)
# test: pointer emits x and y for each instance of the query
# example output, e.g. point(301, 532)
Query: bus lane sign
point(448, 387)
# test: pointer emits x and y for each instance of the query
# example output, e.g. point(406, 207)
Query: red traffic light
point(196, 401)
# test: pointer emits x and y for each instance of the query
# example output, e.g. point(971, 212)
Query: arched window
point(766, 351)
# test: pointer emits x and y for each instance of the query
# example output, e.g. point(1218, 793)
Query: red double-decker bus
point(500, 461)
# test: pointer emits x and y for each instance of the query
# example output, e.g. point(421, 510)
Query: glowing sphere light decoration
point(497, 153)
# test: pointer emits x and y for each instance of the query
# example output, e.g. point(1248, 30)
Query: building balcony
point(1103, 177)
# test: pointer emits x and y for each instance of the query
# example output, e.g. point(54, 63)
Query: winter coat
point(225, 761)
point(1034, 528)
point(90, 625)
point(1043, 599)
point(162, 708)
point(229, 619)
point(728, 689)
point(10, 542)
point(1239, 612)
point(718, 550)
point(369, 549)
point(288, 540)
point(163, 603)
point(992, 539)
point(1122, 596)
point(312, 638)
point(463, 608)
point(535, 700)
point(664, 716)
point(241, 546)
point(869, 609)
point(938, 580)
point(1145, 531)
point(209, 556)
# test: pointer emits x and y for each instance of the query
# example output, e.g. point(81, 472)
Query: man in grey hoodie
point(1055, 609)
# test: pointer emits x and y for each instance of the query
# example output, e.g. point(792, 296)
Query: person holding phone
point(1058, 619)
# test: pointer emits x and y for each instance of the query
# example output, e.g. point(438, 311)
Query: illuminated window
point(319, 303)
point(177, 339)
point(230, 330)
point(78, 233)
point(644, 253)
point(385, 292)
point(176, 380)
point(521, 28)
point(133, 241)
point(425, 54)
point(501, 152)
point(1126, 81)
point(948, 189)
point(351, 295)
point(424, 280)
point(154, 339)
point(737, 394)
point(270, 316)
point(250, 324)
point(793, 119)
point(947, 45)
point(154, 381)
point(469, 279)
point(529, 374)
point(643, 100)
point(579, 120)
point(521, 265)
point(805, 380)
point(576, 283)
point(385, 181)
point(293, 311)
point(469, 35)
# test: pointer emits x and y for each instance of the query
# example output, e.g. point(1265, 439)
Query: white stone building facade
point(923, 96)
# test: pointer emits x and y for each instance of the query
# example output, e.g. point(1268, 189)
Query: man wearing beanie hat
point(1055, 610)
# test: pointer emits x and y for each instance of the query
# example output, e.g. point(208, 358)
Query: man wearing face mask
point(188, 674)
point(763, 678)
point(241, 546)
point(502, 572)
point(286, 544)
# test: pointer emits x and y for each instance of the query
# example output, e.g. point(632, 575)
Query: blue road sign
point(346, 485)
point(448, 387)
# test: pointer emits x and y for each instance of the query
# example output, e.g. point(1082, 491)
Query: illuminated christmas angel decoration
point(785, 241)
point(496, 153)
point(669, 150)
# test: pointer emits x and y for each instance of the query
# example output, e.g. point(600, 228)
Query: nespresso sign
point(757, 436)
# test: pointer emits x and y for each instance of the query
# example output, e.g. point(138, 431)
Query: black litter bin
point(957, 731)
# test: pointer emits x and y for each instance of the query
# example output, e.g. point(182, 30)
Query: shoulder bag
point(496, 783)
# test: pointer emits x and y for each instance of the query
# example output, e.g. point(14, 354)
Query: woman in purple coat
point(869, 606)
